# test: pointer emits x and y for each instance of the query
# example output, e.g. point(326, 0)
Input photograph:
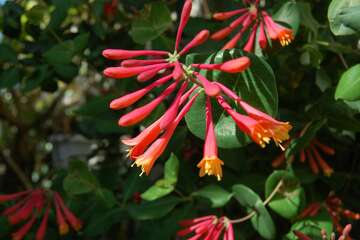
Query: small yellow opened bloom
point(210, 164)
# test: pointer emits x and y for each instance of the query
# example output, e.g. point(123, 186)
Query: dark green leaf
point(106, 196)
point(262, 220)
point(215, 194)
point(154, 209)
point(9, 78)
point(289, 13)
point(79, 180)
point(101, 224)
point(153, 21)
point(7, 54)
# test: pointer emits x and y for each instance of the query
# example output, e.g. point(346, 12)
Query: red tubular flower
point(172, 111)
point(63, 226)
point(131, 98)
point(120, 54)
point(30, 206)
point(226, 15)
point(40, 234)
point(15, 196)
point(185, 15)
point(141, 113)
point(334, 206)
point(249, 46)
point(199, 39)
point(211, 89)
point(208, 227)
point(232, 66)
point(148, 158)
point(70, 217)
point(110, 9)
point(260, 129)
point(312, 155)
point(20, 234)
point(140, 143)
point(284, 35)
point(261, 23)
point(210, 164)
point(151, 143)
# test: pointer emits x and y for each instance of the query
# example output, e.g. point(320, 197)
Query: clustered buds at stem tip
point(151, 142)
point(262, 23)
point(36, 204)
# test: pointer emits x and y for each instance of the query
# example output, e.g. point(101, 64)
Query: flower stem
point(267, 200)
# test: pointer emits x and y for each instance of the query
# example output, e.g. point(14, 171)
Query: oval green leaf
point(215, 194)
point(348, 87)
point(288, 200)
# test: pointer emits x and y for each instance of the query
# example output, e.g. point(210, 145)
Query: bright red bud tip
point(226, 15)
point(199, 39)
point(119, 54)
point(221, 34)
point(128, 99)
point(236, 65)
point(185, 15)
point(211, 89)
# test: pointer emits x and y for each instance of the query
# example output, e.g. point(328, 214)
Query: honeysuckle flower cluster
point(36, 204)
point(345, 234)
point(257, 22)
point(147, 147)
point(207, 227)
point(334, 206)
point(311, 155)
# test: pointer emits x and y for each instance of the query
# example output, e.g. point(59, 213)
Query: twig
point(267, 200)
point(18, 171)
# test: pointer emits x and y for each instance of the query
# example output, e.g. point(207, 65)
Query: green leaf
point(171, 169)
point(289, 13)
point(350, 17)
point(160, 189)
point(262, 220)
point(60, 12)
point(35, 80)
point(7, 53)
point(307, 18)
point(335, 10)
point(312, 226)
point(79, 180)
point(215, 194)
point(9, 78)
point(166, 185)
point(101, 224)
point(256, 85)
point(153, 21)
point(64, 52)
point(106, 196)
point(289, 198)
point(154, 209)
point(348, 87)
point(36, 14)
point(301, 142)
